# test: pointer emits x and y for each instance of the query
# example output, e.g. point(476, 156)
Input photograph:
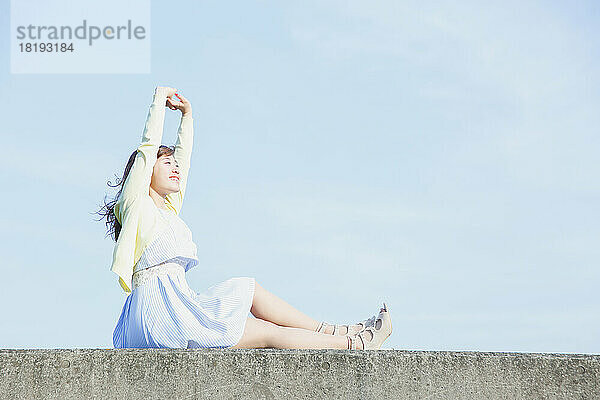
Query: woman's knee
point(258, 292)
point(258, 333)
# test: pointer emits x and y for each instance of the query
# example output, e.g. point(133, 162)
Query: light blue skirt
point(162, 311)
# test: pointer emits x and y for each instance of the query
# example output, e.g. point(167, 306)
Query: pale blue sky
point(441, 158)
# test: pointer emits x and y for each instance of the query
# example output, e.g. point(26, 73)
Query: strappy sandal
point(371, 321)
point(378, 335)
point(352, 340)
point(350, 329)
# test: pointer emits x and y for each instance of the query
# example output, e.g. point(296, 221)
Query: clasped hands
point(183, 105)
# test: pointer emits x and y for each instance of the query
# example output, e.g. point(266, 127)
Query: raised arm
point(140, 175)
point(183, 150)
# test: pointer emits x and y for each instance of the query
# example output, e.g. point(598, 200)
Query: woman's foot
point(346, 330)
point(372, 337)
point(339, 330)
point(356, 343)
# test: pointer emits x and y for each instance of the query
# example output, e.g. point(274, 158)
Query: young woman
point(154, 249)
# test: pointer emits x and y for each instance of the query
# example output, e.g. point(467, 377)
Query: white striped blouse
point(174, 243)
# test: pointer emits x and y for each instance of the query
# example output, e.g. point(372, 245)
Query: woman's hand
point(184, 105)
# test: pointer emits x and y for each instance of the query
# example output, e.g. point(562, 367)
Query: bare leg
point(259, 333)
point(271, 308)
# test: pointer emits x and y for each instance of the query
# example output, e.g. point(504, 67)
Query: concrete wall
point(294, 374)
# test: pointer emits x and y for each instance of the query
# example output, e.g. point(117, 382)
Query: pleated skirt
point(162, 311)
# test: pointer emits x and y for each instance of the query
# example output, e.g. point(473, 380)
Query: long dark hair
point(108, 209)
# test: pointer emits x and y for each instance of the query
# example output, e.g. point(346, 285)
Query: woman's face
point(165, 176)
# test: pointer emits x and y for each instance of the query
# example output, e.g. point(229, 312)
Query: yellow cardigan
point(135, 210)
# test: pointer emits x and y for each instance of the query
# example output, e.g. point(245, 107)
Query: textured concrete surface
point(294, 374)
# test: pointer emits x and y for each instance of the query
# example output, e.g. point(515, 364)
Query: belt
point(143, 276)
